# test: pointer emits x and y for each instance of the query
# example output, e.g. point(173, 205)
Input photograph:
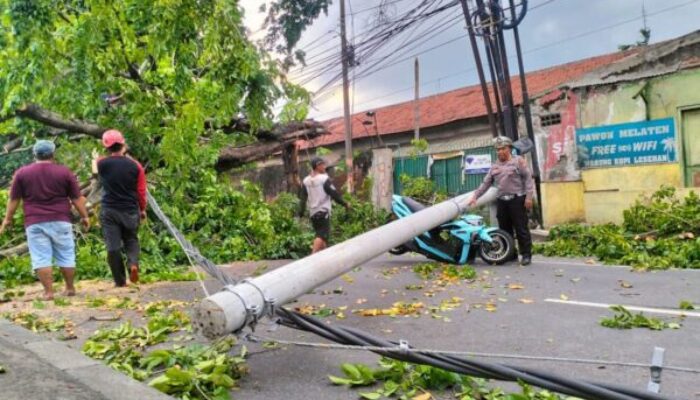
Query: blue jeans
point(49, 241)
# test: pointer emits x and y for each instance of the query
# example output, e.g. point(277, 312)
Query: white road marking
point(631, 308)
point(577, 263)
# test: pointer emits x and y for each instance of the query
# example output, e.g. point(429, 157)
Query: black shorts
point(322, 225)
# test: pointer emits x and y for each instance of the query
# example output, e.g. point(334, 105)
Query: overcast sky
point(553, 32)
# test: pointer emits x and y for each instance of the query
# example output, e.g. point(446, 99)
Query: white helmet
point(502, 141)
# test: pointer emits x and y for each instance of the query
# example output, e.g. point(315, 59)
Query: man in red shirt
point(47, 190)
point(123, 205)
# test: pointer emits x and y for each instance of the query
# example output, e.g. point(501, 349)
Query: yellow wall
point(562, 202)
point(608, 191)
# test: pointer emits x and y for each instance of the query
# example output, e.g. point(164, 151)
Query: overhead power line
point(384, 4)
point(374, 39)
point(368, 70)
point(363, 53)
point(529, 51)
point(376, 33)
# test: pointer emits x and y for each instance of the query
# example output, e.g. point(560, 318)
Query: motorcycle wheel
point(397, 251)
point(500, 251)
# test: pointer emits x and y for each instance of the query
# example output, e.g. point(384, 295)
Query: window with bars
point(550, 119)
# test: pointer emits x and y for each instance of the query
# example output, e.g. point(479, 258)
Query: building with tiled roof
point(461, 104)
point(608, 129)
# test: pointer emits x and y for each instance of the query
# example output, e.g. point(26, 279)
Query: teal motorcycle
point(457, 241)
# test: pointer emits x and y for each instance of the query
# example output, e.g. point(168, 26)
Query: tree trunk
point(290, 157)
point(18, 250)
point(233, 157)
point(13, 144)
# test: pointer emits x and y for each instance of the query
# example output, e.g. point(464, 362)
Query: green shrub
point(659, 232)
point(362, 217)
point(421, 189)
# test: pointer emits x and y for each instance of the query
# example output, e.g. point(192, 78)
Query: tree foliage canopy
point(166, 72)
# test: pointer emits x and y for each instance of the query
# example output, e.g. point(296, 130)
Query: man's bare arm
point(79, 205)
point(12, 205)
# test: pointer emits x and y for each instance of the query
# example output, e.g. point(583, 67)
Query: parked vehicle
point(457, 241)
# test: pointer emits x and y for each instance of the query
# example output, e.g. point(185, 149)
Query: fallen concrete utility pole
point(237, 306)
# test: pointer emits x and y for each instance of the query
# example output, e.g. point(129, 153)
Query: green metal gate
point(448, 174)
point(412, 166)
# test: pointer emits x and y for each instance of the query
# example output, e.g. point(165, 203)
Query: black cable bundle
point(479, 369)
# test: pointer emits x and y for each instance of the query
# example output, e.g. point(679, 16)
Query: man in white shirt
point(317, 191)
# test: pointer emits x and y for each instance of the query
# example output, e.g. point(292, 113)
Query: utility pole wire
point(367, 69)
point(528, 51)
point(366, 53)
point(370, 45)
point(376, 33)
point(349, 170)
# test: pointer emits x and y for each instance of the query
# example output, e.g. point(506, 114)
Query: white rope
point(195, 266)
point(159, 212)
point(190, 251)
point(335, 346)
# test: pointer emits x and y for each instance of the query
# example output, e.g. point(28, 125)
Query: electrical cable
point(399, 30)
point(192, 252)
point(597, 362)
point(529, 51)
point(424, 39)
point(374, 34)
point(372, 44)
point(383, 4)
point(353, 336)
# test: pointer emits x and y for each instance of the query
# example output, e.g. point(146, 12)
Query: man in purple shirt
point(47, 191)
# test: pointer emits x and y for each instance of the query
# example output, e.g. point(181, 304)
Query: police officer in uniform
point(516, 188)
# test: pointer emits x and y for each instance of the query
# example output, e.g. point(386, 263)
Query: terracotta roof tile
point(458, 104)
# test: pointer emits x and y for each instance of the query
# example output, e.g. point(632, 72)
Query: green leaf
point(686, 305)
point(339, 381)
point(371, 395)
point(390, 387)
point(351, 371)
point(162, 383)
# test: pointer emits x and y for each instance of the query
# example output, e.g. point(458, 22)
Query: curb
point(86, 371)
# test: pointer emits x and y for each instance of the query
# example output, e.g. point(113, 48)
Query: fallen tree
point(183, 97)
point(178, 94)
point(269, 142)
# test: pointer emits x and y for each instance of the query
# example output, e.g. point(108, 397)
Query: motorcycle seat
point(413, 205)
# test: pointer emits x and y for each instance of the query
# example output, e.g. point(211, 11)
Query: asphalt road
point(549, 309)
point(529, 319)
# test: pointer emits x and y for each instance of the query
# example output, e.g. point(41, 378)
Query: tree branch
point(277, 133)
point(52, 119)
point(7, 117)
point(232, 157)
point(12, 144)
point(14, 251)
